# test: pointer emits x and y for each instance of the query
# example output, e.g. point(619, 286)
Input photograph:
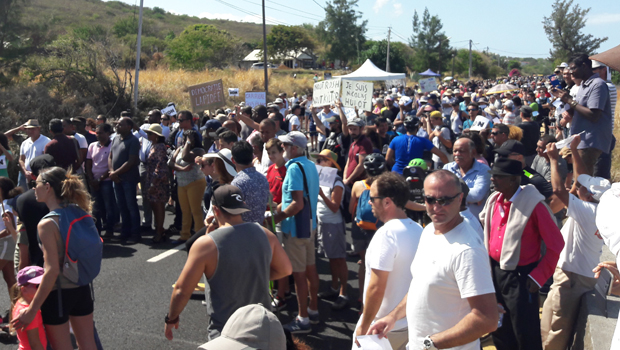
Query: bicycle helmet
point(374, 164)
point(411, 123)
point(419, 162)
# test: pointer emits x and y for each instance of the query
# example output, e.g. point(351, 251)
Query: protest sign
point(325, 92)
point(428, 84)
point(207, 96)
point(170, 110)
point(233, 92)
point(480, 123)
point(357, 94)
point(327, 175)
point(255, 98)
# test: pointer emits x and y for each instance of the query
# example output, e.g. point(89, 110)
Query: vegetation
point(202, 45)
point(283, 40)
point(340, 31)
point(429, 42)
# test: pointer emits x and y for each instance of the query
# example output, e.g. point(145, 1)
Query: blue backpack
point(83, 245)
point(364, 218)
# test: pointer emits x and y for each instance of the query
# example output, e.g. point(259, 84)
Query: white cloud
point(398, 9)
point(379, 4)
point(604, 18)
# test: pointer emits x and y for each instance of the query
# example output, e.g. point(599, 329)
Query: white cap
point(597, 64)
point(405, 101)
point(595, 185)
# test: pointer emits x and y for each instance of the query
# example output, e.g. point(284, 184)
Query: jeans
point(22, 182)
point(190, 198)
point(602, 168)
point(105, 211)
point(128, 205)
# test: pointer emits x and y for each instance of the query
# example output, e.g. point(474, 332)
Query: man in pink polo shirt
point(515, 220)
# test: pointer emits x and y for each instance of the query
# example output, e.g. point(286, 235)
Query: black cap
point(230, 199)
point(508, 167)
point(510, 146)
point(41, 162)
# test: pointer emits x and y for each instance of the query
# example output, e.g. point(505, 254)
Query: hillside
point(60, 15)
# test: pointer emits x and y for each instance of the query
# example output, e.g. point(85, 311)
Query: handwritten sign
point(233, 92)
point(480, 123)
point(255, 98)
point(357, 94)
point(170, 110)
point(428, 84)
point(327, 175)
point(326, 92)
point(207, 96)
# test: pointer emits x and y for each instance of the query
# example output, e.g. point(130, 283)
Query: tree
point(14, 44)
point(376, 51)
point(129, 25)
point(430, 44)
point(514, 64)
point(283, 40)
point(200, 46)
point(563, 28)
point(340, 30)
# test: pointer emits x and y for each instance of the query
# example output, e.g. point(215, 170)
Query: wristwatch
point(573, 103)
point(427, 343)
point(167, 320)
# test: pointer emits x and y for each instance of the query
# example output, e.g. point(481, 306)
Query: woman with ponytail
point(60, 190)
point(8, 231)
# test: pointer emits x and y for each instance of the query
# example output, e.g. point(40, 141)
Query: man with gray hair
point(475, 174)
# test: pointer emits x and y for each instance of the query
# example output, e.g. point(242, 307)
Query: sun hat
point(32, 123)
point(30, 274)
point(278, 100)
point(155, 129)
point(296, 138)
point(328, 155)
point(226, 156)
point(491, 110)
point(506, 167)
point(230, 199)
point(595, 185)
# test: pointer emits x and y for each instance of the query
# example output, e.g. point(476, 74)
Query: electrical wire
point(318, 4)
point(251, 13)
point(290, 13)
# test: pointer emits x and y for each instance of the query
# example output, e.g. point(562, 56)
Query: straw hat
point(155, 129)
point(328, 155)
point(32, 123)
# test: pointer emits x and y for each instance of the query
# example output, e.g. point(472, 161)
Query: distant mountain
point(60, 15)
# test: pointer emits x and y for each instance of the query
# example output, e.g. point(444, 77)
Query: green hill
point(59, 15)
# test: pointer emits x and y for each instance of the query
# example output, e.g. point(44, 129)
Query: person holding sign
point(440, 135)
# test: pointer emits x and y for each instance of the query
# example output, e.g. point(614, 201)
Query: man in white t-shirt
point(573, 275)
point(451, 300)
point(388, 257)
point(323, 115)
point(446, 104)
point(32, 147)
point(293, 119)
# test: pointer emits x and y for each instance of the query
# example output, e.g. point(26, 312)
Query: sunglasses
point(443, 201)
point(471, 110)
point(372, 199)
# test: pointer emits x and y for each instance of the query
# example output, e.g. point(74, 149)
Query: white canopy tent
point(369, 72)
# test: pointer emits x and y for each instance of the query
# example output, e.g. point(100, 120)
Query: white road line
point(166, 254)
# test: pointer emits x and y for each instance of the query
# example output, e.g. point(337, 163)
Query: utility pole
point(387, 61)
point(265, 54)
point(452, 66)
point(470, 59)
point(138, 52)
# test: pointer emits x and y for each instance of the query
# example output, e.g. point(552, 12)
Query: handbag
point(303, 219)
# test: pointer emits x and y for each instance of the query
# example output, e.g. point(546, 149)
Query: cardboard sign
point(233, 92)
point(207, 96)
point(170, 110)
point(255, 98)
point(325, 92)
point(428, 84)
point(327, 175)
point(480, 123)
point(357, 94)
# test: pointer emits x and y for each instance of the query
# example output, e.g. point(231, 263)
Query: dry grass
point(172, 85)
point(615, 157)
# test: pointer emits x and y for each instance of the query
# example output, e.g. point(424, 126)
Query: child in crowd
point(32, 336)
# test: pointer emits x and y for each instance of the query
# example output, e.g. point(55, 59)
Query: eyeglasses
point(443, 201)
point(495, 133)
point(166, 119)
point(372, 199)
point(471, 110)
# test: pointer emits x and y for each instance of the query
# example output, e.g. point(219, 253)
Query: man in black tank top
point(238, 259)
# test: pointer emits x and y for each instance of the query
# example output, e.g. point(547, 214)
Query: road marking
point(166, 254)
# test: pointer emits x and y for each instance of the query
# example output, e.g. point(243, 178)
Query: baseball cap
point(333, 118)
point(563, 65)
point(436, 114)
point(389, 98)
point(595, 185)
point(226, 156)
point(527, 109)
point(356, 122)
point(506, 167)
point(510, 146)
point(597, 64)
point(509, 104)
point(213, 124)
point(230, 199)
point(294, 137)
point(251, 327)
point(30, 274)
point(278, 100)
point(405, 101)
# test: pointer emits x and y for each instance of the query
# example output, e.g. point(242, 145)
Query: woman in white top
point(8, 231)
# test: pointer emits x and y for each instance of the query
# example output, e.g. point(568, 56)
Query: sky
point(502, 26)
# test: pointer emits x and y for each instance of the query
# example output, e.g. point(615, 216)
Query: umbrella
point(447, 78)
point(610, 58)
point(430, 73)
point(499, 88)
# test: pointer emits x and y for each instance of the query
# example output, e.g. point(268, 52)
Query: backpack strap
point(366, 185)
point(307, 192)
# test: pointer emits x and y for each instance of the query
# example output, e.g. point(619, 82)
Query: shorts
point(300, 251)
point(7, 248)
point(313, 133)
point(332, 240)
point(360, 238)
point(75, 302)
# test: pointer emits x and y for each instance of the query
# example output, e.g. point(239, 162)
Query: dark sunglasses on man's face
point(473, 109)
point(443, 201)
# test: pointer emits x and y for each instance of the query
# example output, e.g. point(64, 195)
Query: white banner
point(233, 92)
point(256, 98)
point(428, 84)
point(327, 175)
point(325, 92)
point(357, 94)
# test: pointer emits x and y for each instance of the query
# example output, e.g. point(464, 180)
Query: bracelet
point(573, 103)
point(167, 320)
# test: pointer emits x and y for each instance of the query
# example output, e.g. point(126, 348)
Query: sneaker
point(278, 304)
point(341, 303)
point(314, 318)
point(297, 327)
point(329, 293)
point(132, 240)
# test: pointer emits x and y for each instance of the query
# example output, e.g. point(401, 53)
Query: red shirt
point(275, 177)
point(540, 225)
point(362, 146)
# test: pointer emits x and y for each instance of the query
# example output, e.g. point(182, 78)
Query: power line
point(319, 4)
point(249, 13)
point(280, 10)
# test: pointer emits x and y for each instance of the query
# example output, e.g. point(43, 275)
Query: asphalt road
point(132, 297)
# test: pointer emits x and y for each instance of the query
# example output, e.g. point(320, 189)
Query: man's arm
point(579, 167)
point(597, 99)
point(354, 198)
point(9, 134)
point(436, 151)
point(411, 205)
point(556, 180)
point(359, 170)
point(374, 296)
point(317, 121)
point(280, 264)
point(22, 165)
point(482, 319)
point(390, 158)
point(548, 230)
point(132, 161)
point(248, 121)
point(384, 325)
point(482, 184)
point(295, 207)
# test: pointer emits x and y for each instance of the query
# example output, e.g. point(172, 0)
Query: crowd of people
point(449, 194)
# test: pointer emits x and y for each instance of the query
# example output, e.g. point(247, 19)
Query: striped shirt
point(613, 97)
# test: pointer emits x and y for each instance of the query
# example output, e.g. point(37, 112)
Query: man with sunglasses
point(516, 219)
point(499, 134)
point(472, 110)
point(451, 299)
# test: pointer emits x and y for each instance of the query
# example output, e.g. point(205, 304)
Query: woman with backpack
point(61, 296)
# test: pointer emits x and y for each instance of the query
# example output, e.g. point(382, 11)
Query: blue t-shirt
point(294, 181)
point(406, 148)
